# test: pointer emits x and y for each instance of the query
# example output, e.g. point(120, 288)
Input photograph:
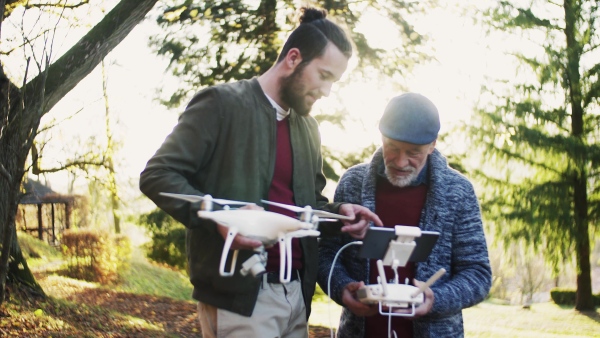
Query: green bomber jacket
point(224, 144)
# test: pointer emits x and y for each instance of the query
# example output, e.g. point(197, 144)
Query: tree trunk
point(21, 110)
point(584, 300)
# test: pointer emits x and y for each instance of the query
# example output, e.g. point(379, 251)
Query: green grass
point(492, 320)
point(37, 252)
point(542, 320)
point(142, 277)
point(145, 278)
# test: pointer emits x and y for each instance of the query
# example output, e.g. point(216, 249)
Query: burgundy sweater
point(395, 206)
point(281, 192)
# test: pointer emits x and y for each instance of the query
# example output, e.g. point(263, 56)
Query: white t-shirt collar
point(281, 113)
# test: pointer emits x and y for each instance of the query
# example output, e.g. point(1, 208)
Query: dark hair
point(313, 34)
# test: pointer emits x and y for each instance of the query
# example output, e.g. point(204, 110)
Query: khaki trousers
point(279, 313)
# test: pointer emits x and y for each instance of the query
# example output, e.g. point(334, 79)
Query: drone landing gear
point(230, 236)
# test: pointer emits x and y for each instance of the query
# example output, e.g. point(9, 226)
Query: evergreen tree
point(540, 133)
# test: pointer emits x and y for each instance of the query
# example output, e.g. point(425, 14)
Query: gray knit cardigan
point(452, 209)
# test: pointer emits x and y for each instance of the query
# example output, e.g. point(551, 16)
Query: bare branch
point(5, 173)
point(76, 164)
point(85, 55)
point(55, 123)
point(58, 5)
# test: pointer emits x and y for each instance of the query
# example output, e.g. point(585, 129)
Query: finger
point(252, 207)
point(369, 216)
point(376, 220)
point(353, 286)
point(242, 242)
point(356, 230)
point(347, 210)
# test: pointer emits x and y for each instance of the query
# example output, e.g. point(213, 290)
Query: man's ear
point(293, 58)
point(432, 146)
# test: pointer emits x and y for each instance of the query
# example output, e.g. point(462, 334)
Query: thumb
point(354, 286)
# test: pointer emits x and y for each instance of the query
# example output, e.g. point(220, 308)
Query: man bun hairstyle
point(313, 34)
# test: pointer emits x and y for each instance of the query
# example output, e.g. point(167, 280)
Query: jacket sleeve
point(469, 279)
point(181, 156)
point(330, 246)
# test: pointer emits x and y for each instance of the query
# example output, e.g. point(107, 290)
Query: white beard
point(402, 181)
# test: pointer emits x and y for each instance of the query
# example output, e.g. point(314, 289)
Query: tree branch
point(85, 55)
point(5, 173)
point(74, 164)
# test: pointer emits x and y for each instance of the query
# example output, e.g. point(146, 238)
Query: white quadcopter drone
point(395, 295)
point(266, 226)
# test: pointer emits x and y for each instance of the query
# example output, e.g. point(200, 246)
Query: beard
point(293, 92)
point(401, 181)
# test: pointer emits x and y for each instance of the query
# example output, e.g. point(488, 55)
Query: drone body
point(261, 225)
point(267, 227)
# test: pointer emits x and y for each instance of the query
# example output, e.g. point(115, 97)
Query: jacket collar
point(258, 91)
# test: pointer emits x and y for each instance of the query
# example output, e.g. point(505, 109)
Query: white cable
point(331, 329)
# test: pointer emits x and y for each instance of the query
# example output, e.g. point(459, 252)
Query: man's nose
point(326, 88)
point(401, 160)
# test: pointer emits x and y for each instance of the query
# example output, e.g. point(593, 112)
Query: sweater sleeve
point(330, 246)
point(469, 279)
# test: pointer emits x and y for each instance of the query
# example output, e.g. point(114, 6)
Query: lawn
point(488, 319)
point(153, 301)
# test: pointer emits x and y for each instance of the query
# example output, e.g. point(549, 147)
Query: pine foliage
point(540, 134)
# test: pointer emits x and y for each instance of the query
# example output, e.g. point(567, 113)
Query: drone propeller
point(319, 213)
point(197, 198)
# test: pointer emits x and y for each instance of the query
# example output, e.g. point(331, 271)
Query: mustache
point(408, 168)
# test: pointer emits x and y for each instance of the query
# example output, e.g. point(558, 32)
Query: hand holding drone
point(267, 227)
point(395, 295)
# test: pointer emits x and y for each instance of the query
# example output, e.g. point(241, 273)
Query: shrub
point(94, 255)
point(567, 297)
point(168, 239)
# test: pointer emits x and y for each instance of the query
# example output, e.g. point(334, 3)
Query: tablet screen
point(377, 240)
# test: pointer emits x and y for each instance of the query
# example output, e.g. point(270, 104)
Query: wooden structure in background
point(43, 212)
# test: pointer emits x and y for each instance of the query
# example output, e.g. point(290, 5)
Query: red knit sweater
point(281, 192)
point(395, 206)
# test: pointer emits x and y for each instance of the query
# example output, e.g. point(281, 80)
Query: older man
point(408, 182)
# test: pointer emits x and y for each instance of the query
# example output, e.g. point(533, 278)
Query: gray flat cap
point(410, 118)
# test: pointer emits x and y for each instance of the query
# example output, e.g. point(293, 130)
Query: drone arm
point(230, 236)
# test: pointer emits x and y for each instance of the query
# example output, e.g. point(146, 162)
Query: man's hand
point(425, 307)
point(241, 242)
point(358, 227)
point(350, 300)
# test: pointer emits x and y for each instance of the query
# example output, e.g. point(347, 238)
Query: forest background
point(516, 83)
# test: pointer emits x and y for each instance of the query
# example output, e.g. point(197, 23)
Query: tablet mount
point(394, 295)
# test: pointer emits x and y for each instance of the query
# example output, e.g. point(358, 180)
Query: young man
point(247, 141)
point(408, 182)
